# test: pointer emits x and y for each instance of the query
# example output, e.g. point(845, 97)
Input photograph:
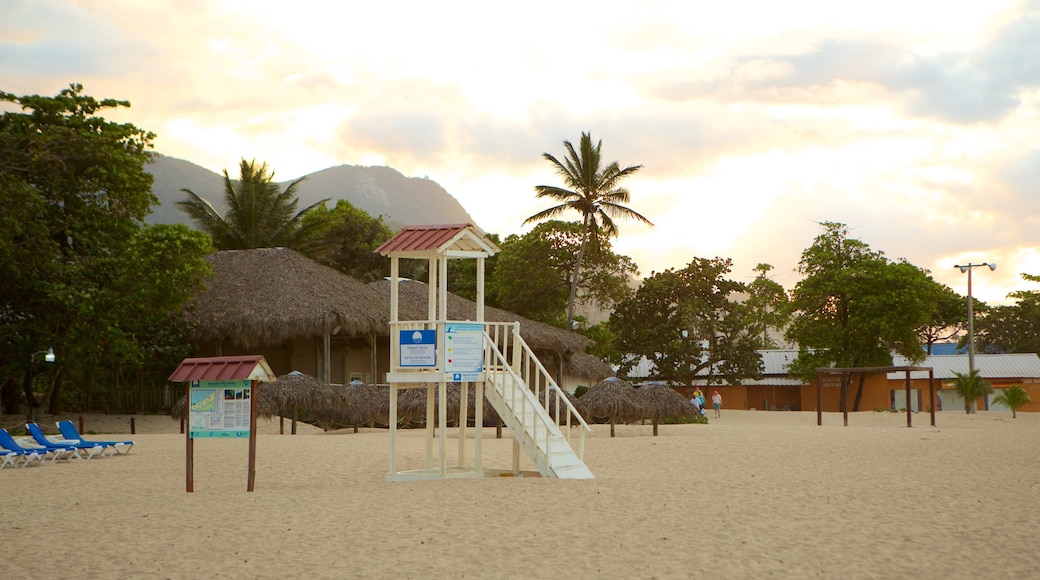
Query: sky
point(914, 122)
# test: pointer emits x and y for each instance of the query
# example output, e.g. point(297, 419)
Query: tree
point(1013, 397)
point(687, 321)
point(594, 191)
point(352, 237)
point(854, 307)
point(258, 215)
point(1013, 328)
point(971, 387)
point(75, 193)
point(767, 306)
point(531, 276)
point(949, 320)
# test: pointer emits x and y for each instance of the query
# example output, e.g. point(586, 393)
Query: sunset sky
point(914, 122)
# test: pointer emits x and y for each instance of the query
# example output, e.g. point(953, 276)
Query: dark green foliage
point(854, 307)
point(351, 238)
point(686, 321)
point(1012, 328)
point(258, 215)
point(77, 271)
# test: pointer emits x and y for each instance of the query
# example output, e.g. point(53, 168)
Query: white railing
point(509, 356)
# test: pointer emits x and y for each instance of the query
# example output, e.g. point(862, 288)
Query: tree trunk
point(9, 397)
point(577, 273)
point(55, 399)
point(859, 392)
point(611, 427)
point(655, 427)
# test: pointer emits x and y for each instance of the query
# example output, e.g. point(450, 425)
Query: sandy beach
point(751, 495)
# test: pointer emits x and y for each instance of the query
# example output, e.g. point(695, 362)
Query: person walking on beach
point(716, 403)
point(697, 404)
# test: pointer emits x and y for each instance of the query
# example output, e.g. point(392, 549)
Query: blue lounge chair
point(29, 454)
point(70, 433)
point(75, 448)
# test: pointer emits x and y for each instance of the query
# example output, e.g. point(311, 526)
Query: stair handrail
point(524, 358)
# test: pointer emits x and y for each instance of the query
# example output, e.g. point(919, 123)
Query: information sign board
point(219, 408)
point(465, 348)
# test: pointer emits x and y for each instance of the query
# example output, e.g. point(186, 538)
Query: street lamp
point(971, 316)
point(48, 356)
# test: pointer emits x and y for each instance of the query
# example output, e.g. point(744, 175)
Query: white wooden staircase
point(513, 389)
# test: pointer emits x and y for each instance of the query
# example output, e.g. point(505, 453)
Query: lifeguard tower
point(489, 357)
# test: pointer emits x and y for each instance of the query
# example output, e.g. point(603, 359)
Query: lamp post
point(48, 356)
point(971, 315)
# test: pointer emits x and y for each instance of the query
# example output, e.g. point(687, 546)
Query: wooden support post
point(189, 449)
point(133, 427)
point(819, 399)
point(931, 392)
point(251, 476)
point(909, 403)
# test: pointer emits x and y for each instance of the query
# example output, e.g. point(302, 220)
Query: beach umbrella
point(360, 404)
point(297, 389)
point(411, 403)
point(615, 400)
point(663, 403)
point(579, 406)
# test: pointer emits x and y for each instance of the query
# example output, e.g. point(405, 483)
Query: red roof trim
point(218, 368)
point(420, 238)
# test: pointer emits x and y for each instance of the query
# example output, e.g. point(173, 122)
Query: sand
point(753, 494)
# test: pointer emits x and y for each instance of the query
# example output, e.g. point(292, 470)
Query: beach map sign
point(219, 408)
point(465, 351)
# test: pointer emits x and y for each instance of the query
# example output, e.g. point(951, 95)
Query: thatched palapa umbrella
point(663, 403)
point(411, 403)
point(361, 404)
point(579, 406)
point(296, 389)
point(615, 400)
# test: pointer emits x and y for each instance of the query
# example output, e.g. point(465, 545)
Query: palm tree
point(591, 189)
point(971, 387)
point(1013, 397)
point(258, 215)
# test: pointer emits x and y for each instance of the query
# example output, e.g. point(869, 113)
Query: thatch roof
point(301, 389)
point(615, 400)
point(579, 406)
point(664, 402)
point(266, 296)
point(411, 403)
point(361, 403)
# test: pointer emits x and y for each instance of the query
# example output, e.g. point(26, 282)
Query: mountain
point(377, 190)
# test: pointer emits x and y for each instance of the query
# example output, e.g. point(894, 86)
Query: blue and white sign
point(465, 348)
point(418, 348)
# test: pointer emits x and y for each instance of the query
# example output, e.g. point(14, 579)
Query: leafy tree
point(75, 193)
point(1013, 397)
point(686, 321)
point(971, 386)
point(352, 237)
point(854, 307)
point(258, 216)
point(532, 273)
point(1013, 328)
point(949, 320)
point(767, 306)
point(594, 191)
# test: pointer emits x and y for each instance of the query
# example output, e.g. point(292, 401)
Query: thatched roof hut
point(664, 402)
point(615, 400)
point(568, 346)
point(267, 296)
